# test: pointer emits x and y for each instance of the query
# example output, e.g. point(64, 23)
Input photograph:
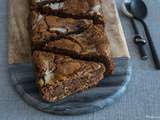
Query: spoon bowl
point(138, 9)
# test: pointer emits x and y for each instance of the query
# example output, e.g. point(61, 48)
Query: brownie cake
point(71, 51)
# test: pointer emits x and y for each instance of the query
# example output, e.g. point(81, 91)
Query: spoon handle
point(139, 41)
point(152, 47)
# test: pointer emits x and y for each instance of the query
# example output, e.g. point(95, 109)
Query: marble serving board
point(22, 71)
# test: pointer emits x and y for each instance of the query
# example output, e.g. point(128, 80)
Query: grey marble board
point(94, 99)
point(22, 72)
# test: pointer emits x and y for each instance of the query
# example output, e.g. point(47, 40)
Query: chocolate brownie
point(45, 27)
point(71, 51)
point(88, 45)
point(59, 76)
point(74, 37)
point(90, 9)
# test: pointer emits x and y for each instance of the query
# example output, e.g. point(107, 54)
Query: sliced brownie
point(71, 51)
point(46, 27)
point(90, 9)
point(59, 76)
point(78, 38)
point(91, 44)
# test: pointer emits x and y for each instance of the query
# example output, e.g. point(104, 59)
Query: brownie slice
point(90, 9)
point(59, 76)
point(46, 27)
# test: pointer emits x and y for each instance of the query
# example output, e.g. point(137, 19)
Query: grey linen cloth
point(141, 101)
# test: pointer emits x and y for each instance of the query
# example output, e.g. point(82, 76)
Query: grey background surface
point(141, 101)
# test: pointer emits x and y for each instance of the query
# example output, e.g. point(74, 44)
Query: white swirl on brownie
point(37, 1)
point(96, 9)
point(63, 30)
point(56, 6)
point(49, 75)
point(39, 17)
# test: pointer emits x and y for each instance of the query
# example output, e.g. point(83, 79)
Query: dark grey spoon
point(138, 39)
point(139, 11)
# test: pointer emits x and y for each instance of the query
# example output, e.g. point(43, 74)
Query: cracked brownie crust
point(71, 51)
point(90, 44)
point(87, 9)
point(46, 27)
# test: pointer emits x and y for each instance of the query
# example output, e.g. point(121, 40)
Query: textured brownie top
point(52, 67)
point(90, 9)
point(80, 38)
point(91, 44)
point(76, 38)
point(46, 27)
point(64, 75)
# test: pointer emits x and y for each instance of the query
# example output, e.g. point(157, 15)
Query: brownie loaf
point(70, 46)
